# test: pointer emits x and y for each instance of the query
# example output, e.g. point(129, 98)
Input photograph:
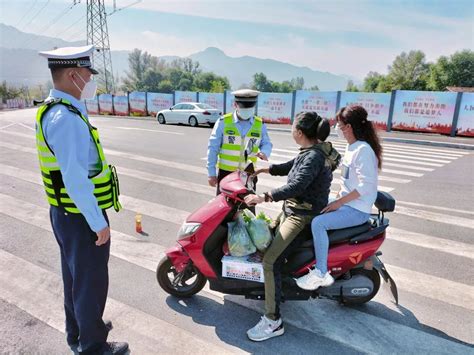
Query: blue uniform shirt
point(77, 156)
point(215, 141)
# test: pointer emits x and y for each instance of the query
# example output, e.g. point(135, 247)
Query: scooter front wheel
point(180, 284)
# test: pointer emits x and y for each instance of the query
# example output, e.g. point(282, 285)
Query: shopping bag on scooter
point(238, 238)
point(258, 229)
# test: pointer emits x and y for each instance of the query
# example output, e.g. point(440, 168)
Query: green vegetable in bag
point(238, 238)
point(258, 230)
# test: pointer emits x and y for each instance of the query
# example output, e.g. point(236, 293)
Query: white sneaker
point(266, 329)
point(314, 279)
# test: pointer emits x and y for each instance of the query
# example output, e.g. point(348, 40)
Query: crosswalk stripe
point(167, 212)
point(435, 217)
point(416, 148)
point(401, 210)
point(425, 285)
point(424, 154)
point(38, 292)
point(425, 241)
point(412, 162)
point(413, 148)
point(411, 159)
point(41, 296)
point(416, 159)
point(403, 166)
point(265, 181)
point(186, 167)
point(435, 207)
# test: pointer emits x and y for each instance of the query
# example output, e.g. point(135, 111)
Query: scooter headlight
point(188, 229)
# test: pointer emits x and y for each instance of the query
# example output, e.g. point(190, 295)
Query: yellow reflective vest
point(106, 187)
point(231, 155)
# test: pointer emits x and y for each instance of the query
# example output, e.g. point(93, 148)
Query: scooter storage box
point(240, 268)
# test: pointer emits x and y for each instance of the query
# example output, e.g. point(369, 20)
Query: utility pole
point(98, 35)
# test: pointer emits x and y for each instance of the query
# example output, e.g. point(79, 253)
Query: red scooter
point(353, 258)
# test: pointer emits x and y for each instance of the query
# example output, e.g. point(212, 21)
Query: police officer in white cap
point(230, 137)
point(79, 186)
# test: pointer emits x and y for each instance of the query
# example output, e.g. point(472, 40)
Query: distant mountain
point(21, 65)
point(240, 70)
point(14, 38)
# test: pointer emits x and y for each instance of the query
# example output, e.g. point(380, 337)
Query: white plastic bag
point(258, 229)
point(238, 238)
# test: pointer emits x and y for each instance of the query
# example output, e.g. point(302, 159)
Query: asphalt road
point(429, 252)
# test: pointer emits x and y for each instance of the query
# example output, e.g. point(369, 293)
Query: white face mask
point(339, 132)
point(246, 113)
point(89, 90)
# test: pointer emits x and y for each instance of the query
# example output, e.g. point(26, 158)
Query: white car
point(192, 113)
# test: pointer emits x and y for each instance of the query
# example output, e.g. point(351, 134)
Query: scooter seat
point(339, 235)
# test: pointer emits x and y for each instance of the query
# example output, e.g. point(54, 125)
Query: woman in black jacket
point(305, 195)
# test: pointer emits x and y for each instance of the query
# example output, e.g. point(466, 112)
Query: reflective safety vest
point(231, 155)
point(106, 186)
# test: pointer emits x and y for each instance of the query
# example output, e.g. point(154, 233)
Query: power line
point(71, 26)
point(26, 13)
point(57, 18)
point(71, 37)
point(54, 21)
point(37, 13)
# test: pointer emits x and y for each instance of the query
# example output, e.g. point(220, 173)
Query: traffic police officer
point(79, 186)
point(230, 136)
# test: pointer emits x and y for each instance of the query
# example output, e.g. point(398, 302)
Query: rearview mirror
point(171, 109)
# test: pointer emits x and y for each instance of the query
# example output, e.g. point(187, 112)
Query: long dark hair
point(312, 125)
point(363, 129)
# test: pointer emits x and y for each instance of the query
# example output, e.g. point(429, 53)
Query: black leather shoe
point(74, 342)
point(114, 348)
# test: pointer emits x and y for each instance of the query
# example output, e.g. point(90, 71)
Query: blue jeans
point(344, 217)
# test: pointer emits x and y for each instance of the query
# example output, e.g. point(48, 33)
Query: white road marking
point(26, 126)
point(405, 166)
point(416, 148)
point(436, 288)
point(39, 292)
point(433, 287)
point(408, 151)
point(433, 243)
point(435, 217)
point(8, 125)
point(434, 207)
point(412, 162)
point(149, 130)
point(416, 159)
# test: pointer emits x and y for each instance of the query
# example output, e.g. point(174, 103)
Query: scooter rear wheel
point(180, 284)
point(374, 276)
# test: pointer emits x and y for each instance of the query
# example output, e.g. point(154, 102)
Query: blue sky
point(339, 36)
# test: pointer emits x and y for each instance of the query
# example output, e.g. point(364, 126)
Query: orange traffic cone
point(138, 223)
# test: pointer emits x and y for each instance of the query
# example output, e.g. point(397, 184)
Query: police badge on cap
point(70, 57)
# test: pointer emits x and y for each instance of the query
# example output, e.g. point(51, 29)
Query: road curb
point(403, 140)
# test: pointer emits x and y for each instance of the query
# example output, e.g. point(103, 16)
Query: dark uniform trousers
point(85, 278)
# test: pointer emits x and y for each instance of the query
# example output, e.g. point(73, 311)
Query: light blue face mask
point(246, 113)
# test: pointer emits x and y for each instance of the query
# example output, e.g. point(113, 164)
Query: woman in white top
point(357, 194)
